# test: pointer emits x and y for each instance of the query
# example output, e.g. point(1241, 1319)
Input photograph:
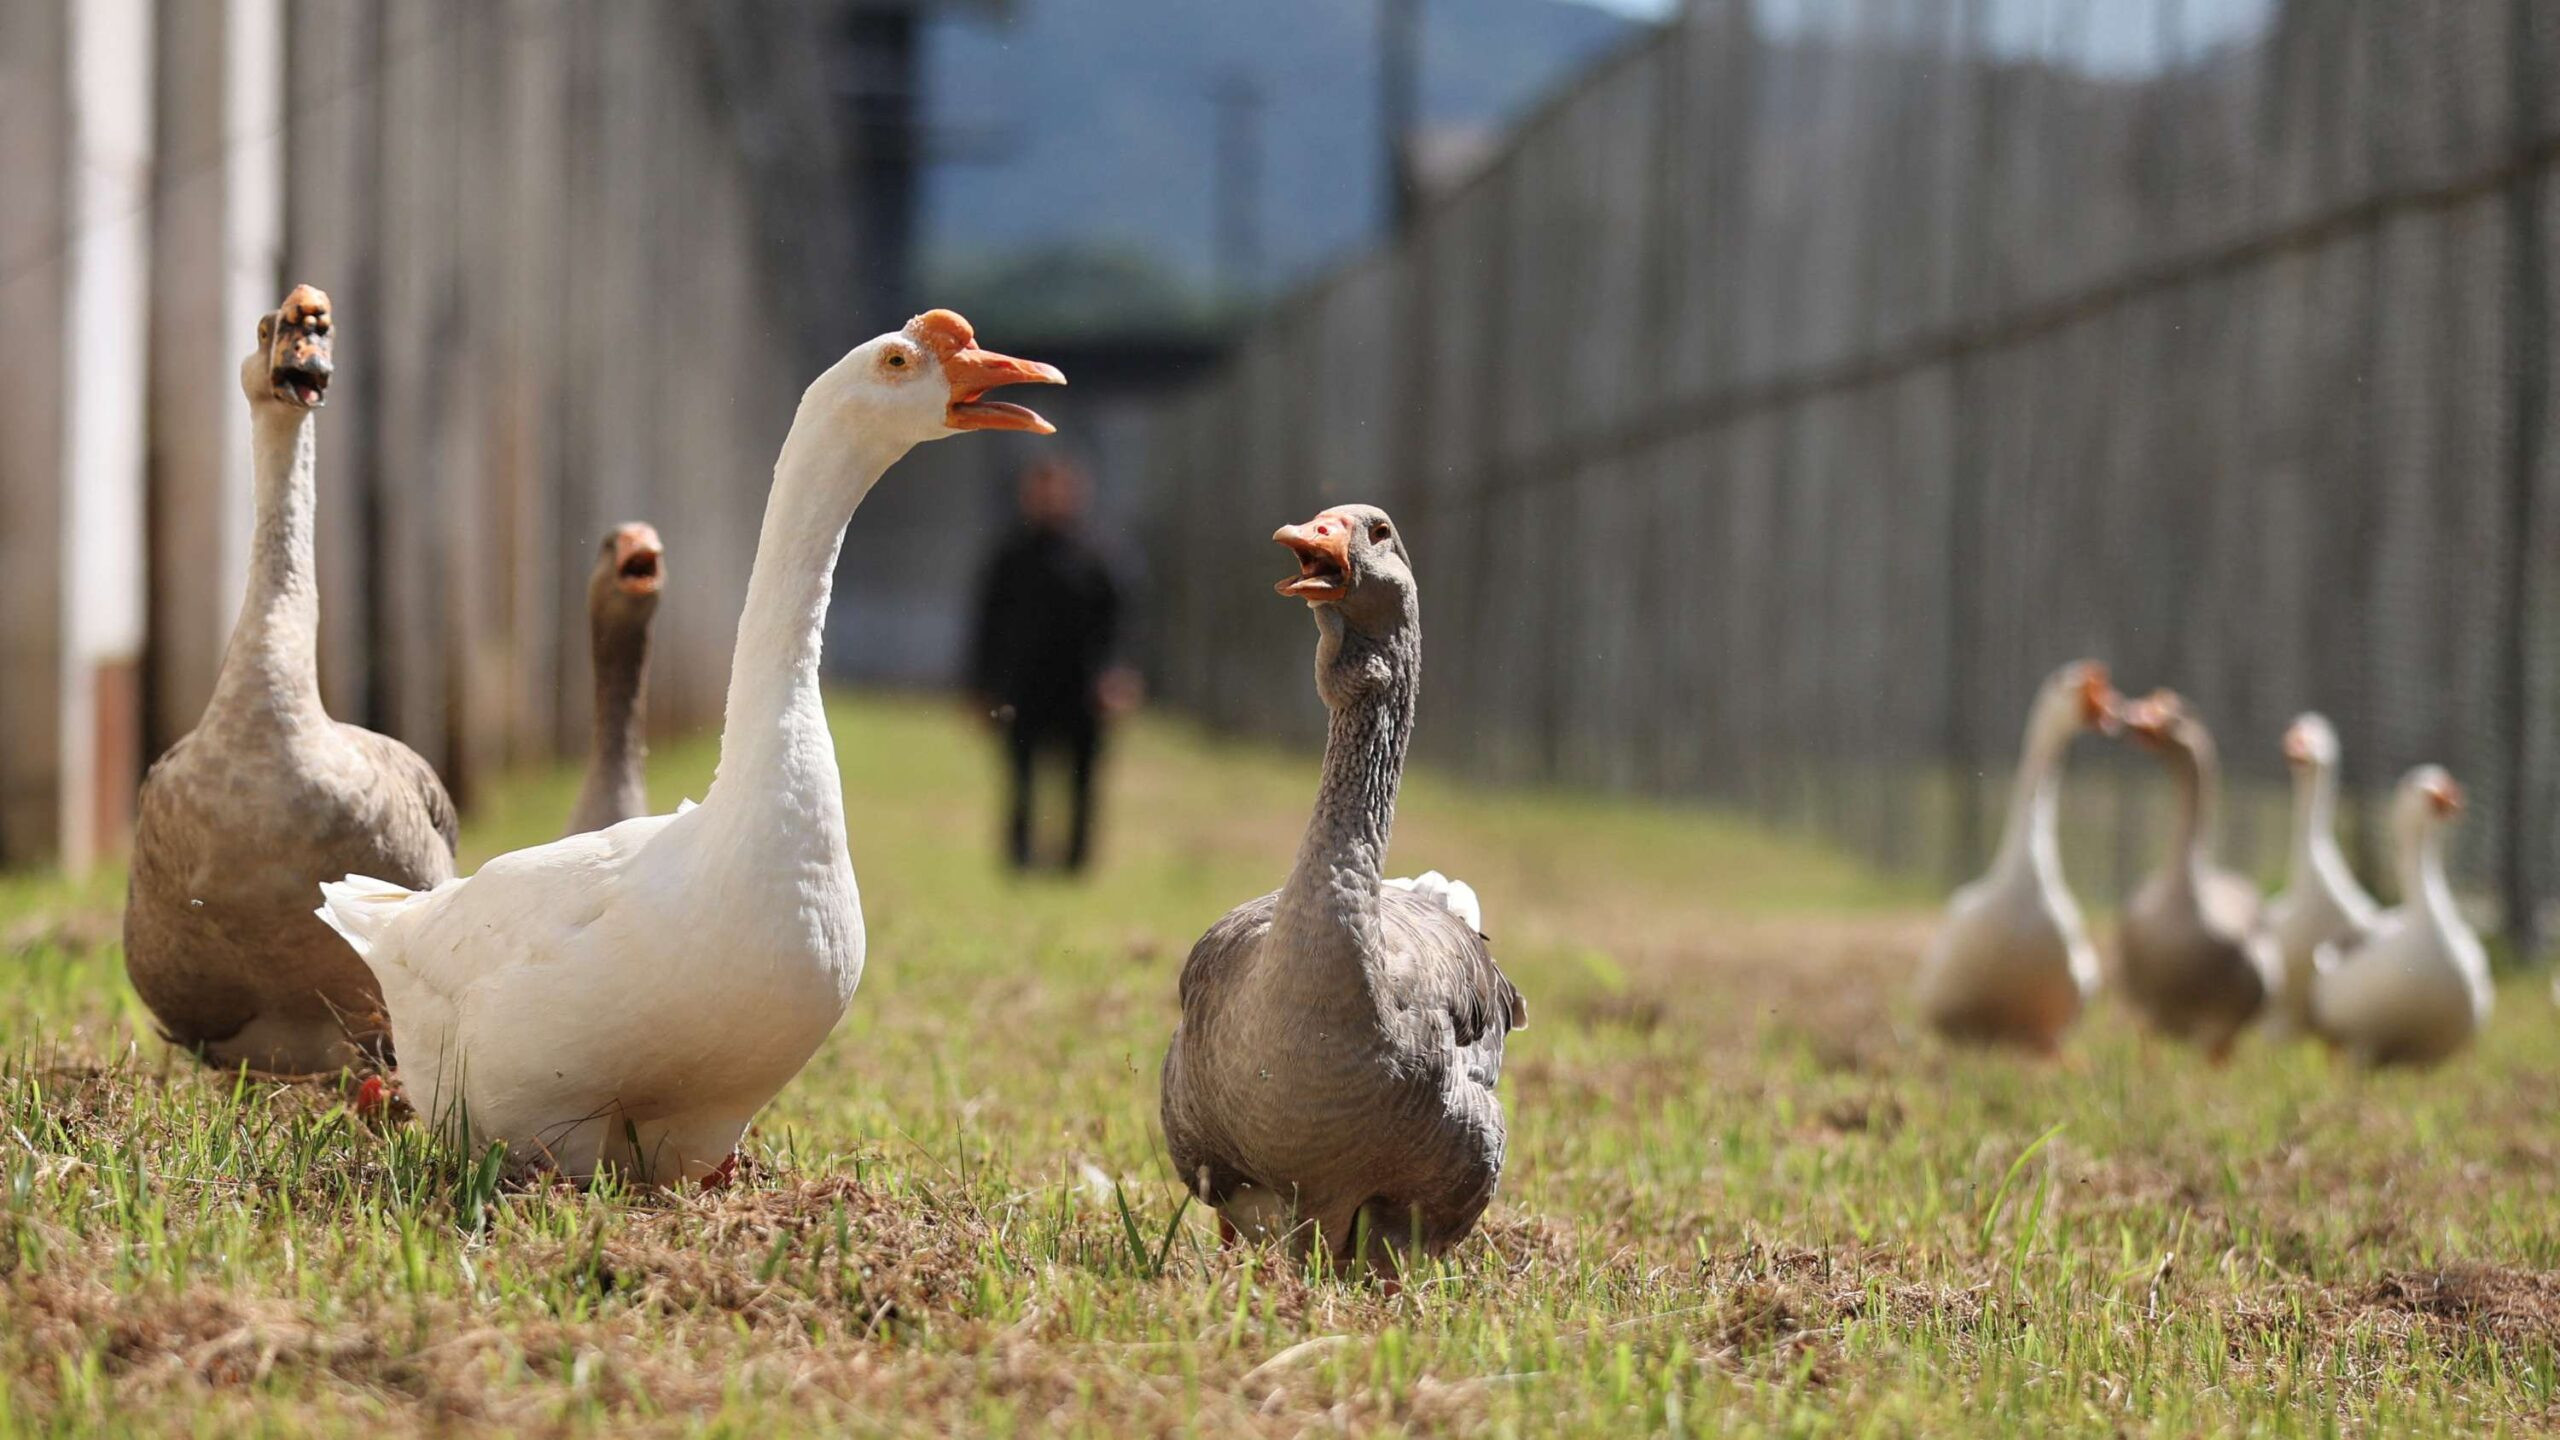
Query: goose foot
point(719, 1176)
point(373, 1095)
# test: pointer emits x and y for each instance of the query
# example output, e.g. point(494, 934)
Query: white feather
point(1456, 896)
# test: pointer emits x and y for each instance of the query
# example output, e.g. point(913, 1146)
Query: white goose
point(2417, 989)
point(2013, 962)
point(628, 999)
point(2321, 903)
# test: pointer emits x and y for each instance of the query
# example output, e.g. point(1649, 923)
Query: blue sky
point(2108, 37)
point(1640, 9)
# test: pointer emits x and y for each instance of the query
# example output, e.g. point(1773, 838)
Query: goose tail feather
point(1456, 896)
point(360, 908)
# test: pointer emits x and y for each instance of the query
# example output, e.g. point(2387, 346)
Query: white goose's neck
point(2423, 883)
point(2028, 839)
point(2315, 818)
point(774, 743)
point(271, 670)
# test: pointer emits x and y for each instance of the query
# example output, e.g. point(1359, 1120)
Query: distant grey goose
point(2196, 960)
point(1332, 1077)
point(267, 797)
point(622, 599)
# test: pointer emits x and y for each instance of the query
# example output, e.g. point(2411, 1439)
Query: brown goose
point(2195, 959)
point(267, 796)
point(622, 598)
point(1333, 1075)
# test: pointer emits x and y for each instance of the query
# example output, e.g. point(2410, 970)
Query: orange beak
point(2099, 702)
point(972, 372)
point(2149, 718)
point(2445, 795)
point(1323, 548)
point(639, 561)
point(2297, 746)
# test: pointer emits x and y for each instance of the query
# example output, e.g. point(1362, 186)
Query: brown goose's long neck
point(1334, 886)
point(2196, 776)
point(616, 785)
point(272, 668)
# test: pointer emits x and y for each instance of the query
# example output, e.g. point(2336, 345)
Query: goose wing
point(1221, 952)
point(420, 805)
point(1441, 965)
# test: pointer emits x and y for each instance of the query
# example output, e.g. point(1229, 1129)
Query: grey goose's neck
point(1332, 890)
point(271, 670)
point(2195, 775)
point(616, 786)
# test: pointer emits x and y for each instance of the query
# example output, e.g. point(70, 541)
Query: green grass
point(1744, 1194)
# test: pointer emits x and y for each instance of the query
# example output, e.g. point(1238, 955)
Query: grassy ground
point(1744, 1195)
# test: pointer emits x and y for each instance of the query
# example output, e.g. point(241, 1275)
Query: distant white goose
point(2321, 903)
point(2012, 962)
point(629, 998)
point(2417, 988)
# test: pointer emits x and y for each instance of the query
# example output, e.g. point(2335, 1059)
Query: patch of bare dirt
point(2518, 1308)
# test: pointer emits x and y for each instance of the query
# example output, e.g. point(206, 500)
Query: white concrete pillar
point(76, 160)
point(103, 587)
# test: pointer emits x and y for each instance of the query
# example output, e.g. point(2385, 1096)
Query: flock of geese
point(2200, 955)
point(1331, 1083)
point(293, 907)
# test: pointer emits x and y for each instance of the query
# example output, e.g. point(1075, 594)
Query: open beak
point(2148, 720)
point(2445, 795)
point(299, 367)
point(973, 372)
point(639, 560)
point(1323, 548)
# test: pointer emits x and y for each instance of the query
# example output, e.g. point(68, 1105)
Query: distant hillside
point(1086, 124)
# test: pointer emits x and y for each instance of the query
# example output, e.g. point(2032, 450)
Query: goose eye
point(1380, 533)
point(897, 360)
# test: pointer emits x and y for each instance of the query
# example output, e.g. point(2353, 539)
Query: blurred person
point(1042, 654)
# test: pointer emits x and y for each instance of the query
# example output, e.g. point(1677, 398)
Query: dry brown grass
point(1745, 1194)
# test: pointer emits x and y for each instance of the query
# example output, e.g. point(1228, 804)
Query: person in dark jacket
point(1042, 656)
